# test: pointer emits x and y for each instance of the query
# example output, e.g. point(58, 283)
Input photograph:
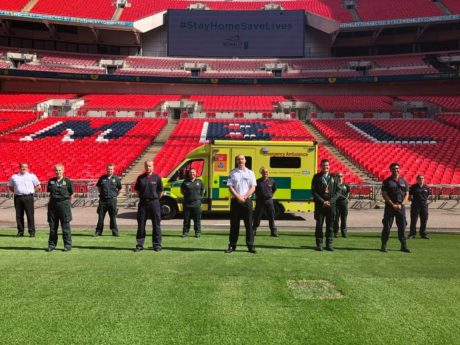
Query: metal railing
point(85, 191)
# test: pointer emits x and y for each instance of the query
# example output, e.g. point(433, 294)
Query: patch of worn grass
point(314, 289)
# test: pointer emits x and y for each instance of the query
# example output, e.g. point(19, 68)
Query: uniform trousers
point(324, 214)
point(389, 215)
point(415, 212)
point(240, 211)
point(149, 209)
point(269, 208)
point(341, 216)
point(110, 206)
point(59, 211)
point(192, 212)
point(25, 203)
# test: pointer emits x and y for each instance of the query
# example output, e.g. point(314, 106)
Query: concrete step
point(321, 139)
point(149, 154)
point(28, 7)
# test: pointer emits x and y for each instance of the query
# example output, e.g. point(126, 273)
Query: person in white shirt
point(24, 184)
point(242, 184)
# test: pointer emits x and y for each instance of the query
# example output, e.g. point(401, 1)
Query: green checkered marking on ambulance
point(282, 182)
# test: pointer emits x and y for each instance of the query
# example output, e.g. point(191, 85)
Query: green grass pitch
point(192, 293)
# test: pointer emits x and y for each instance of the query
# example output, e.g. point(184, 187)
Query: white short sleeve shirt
point(23, 184)
point(241, 180)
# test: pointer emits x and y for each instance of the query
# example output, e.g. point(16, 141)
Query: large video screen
point(236, 33)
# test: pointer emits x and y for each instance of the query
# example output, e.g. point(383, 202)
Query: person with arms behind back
point(24, 184)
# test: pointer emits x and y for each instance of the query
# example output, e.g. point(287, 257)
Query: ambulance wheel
point(279, 210)
point(168, 208)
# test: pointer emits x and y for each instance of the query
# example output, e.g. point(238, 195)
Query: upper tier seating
point(349, 103)
point(126, 101)
point(438, 159)
point(100, 9)
point(94, 145)
point(370, 10)
point(237, 103)
point(13, 5)
point(327, 8)
point(62, 69)
point(28, 100)
point(69, 60)
point(447, 103)
point(12, 119)
point(452, 5)
point(187, 134)
point(452, 120)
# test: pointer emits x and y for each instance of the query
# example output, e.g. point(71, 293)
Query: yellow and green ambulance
point(291, 164)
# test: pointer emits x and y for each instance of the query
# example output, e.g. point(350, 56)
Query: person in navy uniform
point(264, 202)
point(242, 184)
point(341, 208)
point(395, 191)
point(109, 187)
point(324, 187)
point(418, 194)
point(150, 190)
point(24, 184)
point(192, 189)
point(59, 208)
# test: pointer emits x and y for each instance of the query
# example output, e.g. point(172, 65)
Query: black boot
point(383, 248)
point(329, 246)
point(404, 248)
point(319, 245)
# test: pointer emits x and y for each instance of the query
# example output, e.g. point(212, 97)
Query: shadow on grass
point(195, 249)
point(105, 248)
point(23, 248)
point(11, 235)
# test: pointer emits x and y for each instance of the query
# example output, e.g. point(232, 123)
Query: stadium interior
point(95, 82)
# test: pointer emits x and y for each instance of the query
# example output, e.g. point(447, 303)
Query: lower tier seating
point(420, 146)
point(84, 146)
point(189, 132)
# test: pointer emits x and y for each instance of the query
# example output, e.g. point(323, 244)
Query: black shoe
point(185, 234)
point(19, 234)
point(344, 235)
point(67, 249)
point(274, 234)
point(252, 250)
point(383, 248)
point(319, 248)
point(405, 249)
point(230, 249)
point(198, 235)
point(411, 237)
point(97, 234)
point(31, 235)
point(138, 249)
point(50, 249)
point(330, 248)
point(157, 249)
point(425, 237)
point(115, 234)
point(335, 235)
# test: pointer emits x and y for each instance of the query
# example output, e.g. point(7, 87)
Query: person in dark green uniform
point(192, 189)
point(59, 208)
point(325, 193)
point(109, 187)
point(341, 207)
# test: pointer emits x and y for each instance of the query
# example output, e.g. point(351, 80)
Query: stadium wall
point(69, 86)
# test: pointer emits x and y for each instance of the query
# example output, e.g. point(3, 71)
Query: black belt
point(23, 195)
point(107, 198)
point(148, 199)
point(58, 200)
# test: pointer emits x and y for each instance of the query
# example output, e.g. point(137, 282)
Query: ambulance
point(291, 164)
